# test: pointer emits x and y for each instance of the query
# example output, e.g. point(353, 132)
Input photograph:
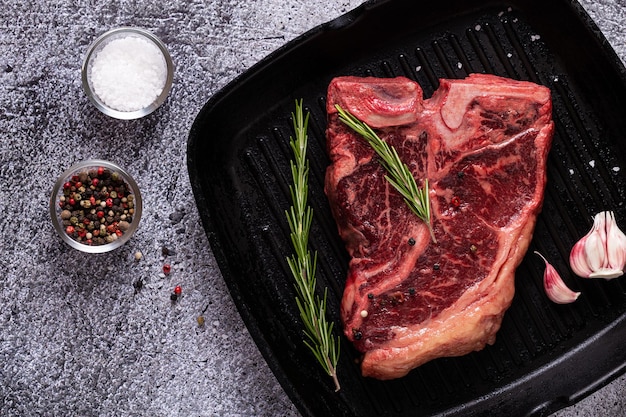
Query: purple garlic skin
point(555, 288)
point(601, 253)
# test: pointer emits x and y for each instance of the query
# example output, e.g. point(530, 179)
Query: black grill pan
point(546, 356)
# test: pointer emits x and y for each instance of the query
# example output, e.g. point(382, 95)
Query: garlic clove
point(616, 245)
point(595, 249)
point(555, 288)
point(601, 253)
point(578, 259)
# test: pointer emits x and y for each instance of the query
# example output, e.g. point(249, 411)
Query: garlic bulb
point(555, 288)
point(602, 252)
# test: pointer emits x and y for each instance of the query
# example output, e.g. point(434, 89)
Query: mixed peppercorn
point(97, 206)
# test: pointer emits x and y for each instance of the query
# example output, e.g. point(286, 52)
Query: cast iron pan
point(546, 356)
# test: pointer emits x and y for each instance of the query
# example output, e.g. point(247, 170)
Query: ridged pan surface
point(546, 356)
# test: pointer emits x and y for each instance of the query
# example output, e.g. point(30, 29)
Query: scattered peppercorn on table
point(149, 328)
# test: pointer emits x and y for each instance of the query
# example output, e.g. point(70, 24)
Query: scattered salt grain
point(477, 28)
point(509, 55)
point(571, 171)
point(418, 68)
point(129, 73)
point(592, 163)
point(534, 38)
point(459, 65)
point(616, 169)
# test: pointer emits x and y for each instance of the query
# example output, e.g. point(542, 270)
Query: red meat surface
point(482, 142)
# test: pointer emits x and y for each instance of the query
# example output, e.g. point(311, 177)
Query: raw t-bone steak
point(482, 142)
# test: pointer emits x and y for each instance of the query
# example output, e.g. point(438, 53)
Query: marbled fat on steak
point(482, 142)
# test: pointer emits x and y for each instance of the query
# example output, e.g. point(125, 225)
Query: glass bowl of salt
point(127, 73)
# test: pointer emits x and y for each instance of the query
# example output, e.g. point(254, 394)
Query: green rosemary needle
point(399, 175)
point(318, 331)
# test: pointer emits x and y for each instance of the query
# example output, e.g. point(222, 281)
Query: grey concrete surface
point(76, 338)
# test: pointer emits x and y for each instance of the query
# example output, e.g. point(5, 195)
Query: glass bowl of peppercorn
point(95, 206)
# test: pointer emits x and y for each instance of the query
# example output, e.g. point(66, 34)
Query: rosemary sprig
point(318, 331)
point(399, 175)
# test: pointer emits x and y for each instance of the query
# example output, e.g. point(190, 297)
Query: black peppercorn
point(411, 241)
point(88, 196)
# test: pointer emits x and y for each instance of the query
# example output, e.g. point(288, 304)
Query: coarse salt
point(129, 73)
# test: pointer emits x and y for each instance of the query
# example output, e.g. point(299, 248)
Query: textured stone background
point(75, 338)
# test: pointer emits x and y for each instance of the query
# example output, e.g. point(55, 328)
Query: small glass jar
point(123, 71)
point(111, 205)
